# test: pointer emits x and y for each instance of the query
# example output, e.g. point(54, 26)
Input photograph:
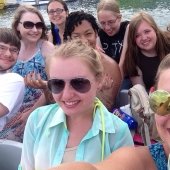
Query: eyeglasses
point(109, 23)
point(58, 11)
point(13, 50)
point(81, 85)
point(30, 25)
point(159, 102)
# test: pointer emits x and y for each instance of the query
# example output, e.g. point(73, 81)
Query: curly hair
point(75, 18)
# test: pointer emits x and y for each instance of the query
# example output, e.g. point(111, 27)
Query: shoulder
point(108, 60)
point(40, 115)
point(46, 48)
point(11, 77)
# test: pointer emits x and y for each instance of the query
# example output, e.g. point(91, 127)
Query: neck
point(79, 120)
point(151, 53)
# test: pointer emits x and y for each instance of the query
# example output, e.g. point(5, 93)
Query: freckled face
point(71, 101)
point(163, 122)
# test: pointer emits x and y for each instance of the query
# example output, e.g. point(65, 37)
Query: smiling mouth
point(71, 103)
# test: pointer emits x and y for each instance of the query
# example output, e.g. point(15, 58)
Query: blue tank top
point(158, 154)
point(37, 64)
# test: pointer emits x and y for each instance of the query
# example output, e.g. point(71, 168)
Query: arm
point(111, 82)
point(50, 37)
point(122, 57)
point(137, 79)
point(11, 93)
point(47, 48)
point(3, 110)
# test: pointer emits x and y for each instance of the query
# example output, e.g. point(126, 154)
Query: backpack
point(144, 115)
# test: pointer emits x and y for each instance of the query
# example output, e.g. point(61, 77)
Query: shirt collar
point(59, 117)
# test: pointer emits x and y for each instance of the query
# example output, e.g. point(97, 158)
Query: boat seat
point(10, 154)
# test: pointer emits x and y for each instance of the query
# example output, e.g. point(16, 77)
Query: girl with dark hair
point(57, 11)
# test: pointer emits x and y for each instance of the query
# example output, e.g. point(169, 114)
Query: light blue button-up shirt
point(46, 137)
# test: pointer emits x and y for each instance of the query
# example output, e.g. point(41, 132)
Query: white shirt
point(11, 94)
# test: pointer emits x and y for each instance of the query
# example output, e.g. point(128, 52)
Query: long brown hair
point(162, 45)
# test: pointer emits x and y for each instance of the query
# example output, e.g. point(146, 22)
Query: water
point(159, 9)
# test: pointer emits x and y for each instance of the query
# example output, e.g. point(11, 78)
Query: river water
point(159, 9)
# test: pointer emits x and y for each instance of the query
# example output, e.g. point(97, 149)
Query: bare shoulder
point(129, 158)
point(47, 48)
point(108, 59)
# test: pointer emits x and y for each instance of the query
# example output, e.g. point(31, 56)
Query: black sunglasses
point(81, 85)
point(30, 25)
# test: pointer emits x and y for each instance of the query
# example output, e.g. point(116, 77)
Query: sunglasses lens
point(39, 25)
point(159, 102)
point(28, 25)
point(81, 85)
point(56, 85)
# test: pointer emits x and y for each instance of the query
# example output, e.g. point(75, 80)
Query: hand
point(107, 82)
point(34, 80)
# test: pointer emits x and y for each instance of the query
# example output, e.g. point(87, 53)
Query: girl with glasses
point(146, 46)
point(153, 157)
point(112, 33)
point(112, 30)
point(57, 11)
point(30, 28)
point(78, 127)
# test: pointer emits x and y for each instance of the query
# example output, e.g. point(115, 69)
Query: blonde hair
point(78, 49)
point(108, 5)
point(164, 65)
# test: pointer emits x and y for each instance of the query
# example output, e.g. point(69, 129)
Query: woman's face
point(163, 122)
point(146, 38)
point(30, 27)
point(109, 21)
point(72, 101)
point(57, 13)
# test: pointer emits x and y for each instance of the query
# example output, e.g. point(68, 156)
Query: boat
point(2, 4)
point(14, 3)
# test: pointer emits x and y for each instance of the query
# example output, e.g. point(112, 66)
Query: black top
point(112, 45)
point(148, 66)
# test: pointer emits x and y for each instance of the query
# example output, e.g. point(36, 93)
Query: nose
point(68, 92)
point(144, 37)
point(8, 53)
point(84, 39)
point(34, 28)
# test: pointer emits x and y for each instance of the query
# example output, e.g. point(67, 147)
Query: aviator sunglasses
point(30, 25)
point(81, 85)
point(159, 102)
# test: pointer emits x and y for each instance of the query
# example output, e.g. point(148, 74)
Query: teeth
point(70, 103)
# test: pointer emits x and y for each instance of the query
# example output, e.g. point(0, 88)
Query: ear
point(100, 80)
